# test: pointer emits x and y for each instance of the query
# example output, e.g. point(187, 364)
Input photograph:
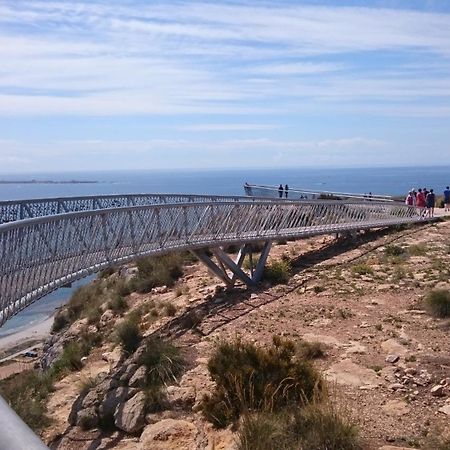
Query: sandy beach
point(25, 337)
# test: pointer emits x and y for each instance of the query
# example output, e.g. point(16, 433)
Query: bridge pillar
point(225, 264)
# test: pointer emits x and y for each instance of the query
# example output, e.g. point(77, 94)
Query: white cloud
point(98, 58)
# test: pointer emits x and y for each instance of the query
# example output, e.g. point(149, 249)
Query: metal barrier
point(40, 255)
point(14, 433)
point(13, 210)
point(264, 191)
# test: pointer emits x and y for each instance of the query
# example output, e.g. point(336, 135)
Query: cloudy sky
point(144, 84)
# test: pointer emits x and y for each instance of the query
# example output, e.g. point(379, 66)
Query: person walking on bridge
point(447, 199)
point(420, 201)
point(280, 191)
point(431, 200)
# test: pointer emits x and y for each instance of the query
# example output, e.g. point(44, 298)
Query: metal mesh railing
point(39, 255)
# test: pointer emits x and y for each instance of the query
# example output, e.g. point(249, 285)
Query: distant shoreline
point(48, 182)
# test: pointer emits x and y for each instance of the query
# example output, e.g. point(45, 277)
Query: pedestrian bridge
point(49, 243)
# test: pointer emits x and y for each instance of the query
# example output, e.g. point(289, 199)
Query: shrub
point(264, 431)
point(170, 309)
point(311, 350)
point(394, 250)
point(254, 378)
point(117, 302)
point(70, 360)
point(157, 271)
point(60, 321)
point(27, 393)
point(315, 427)
point(163, 361)
point(437, 302)
point(323, 427)
point(129, 335)
point(417, 250)
point(84, 299)
point(362, 269)
point(278, 272)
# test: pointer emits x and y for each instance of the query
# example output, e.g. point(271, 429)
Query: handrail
point(13, 210)
point(249, 188)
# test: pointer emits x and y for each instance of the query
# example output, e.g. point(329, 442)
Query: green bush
point(278, 272)
point(323, 427)
point(437, 303)
point(311, 350)
point(129, 335)
point(418, 249)
point(85, 298)
point(394, 250)
point(60, 321)
point(70, 360)
point(117, 302)
point(163, 361)
point(265, 431)
point(255, 378)
point(157, 271)
point(27, 393)
point(314, 427)
point(362, 269)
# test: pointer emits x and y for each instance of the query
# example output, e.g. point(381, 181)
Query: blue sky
point(104, 84)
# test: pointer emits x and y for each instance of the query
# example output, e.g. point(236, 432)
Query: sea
point(388, 181)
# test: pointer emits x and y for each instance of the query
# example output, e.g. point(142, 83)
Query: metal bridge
point(48, 243)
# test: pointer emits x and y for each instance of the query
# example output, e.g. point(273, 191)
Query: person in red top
point(420, 200)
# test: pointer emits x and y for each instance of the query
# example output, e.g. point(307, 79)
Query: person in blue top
point(447, 199)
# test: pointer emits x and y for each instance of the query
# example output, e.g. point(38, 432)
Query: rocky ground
point(386, 359)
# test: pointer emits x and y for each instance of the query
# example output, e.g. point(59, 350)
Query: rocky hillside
point(135, 355)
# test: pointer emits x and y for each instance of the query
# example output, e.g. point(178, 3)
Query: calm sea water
point(390, 181)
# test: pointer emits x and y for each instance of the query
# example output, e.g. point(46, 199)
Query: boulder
point(113, 399)
point(348, 373)
point(129, 372)
point(169, 434)
point(87, 418)
point(130, 416)
point(180, 397)
point(437, 391)
point(139, 377)
point(395, 408)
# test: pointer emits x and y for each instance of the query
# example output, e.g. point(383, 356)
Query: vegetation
point(437, 302)
point(260, 379)
point(418, 250)
point(278, 272)
point(128, 334)
point(394, 250)
point(163, 361)
point(362, 269)
point(27, 392)
point(315, 427)
point(157, 271)
point(311, 350)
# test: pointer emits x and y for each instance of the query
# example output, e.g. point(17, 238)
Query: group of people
point(281, 190)
point(426, 200)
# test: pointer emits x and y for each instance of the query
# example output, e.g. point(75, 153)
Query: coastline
point(23, 338)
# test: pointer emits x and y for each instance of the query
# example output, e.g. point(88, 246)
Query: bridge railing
point(39, 255)
point(13, 210)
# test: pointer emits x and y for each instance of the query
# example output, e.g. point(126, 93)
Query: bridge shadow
point(226, 306)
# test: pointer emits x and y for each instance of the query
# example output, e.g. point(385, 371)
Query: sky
point(145, 84)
